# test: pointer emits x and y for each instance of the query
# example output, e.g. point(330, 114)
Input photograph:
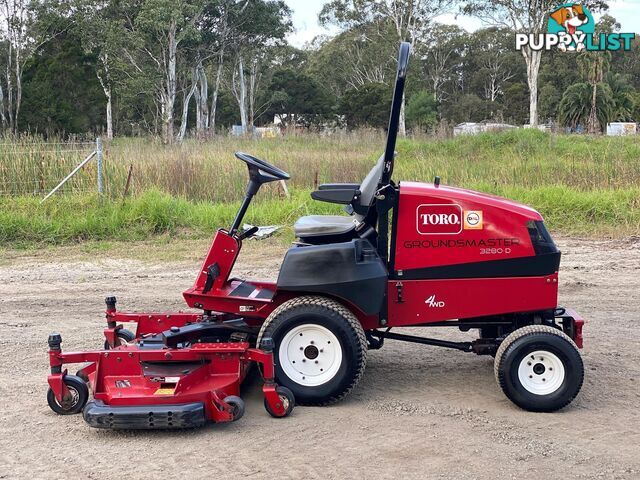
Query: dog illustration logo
point(574, 22)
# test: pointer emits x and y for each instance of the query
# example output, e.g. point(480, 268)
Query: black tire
point(238, 406)
point(512, 367)
point(79, 392)
point(127, 336)
point(287, 398)
point(327, 313)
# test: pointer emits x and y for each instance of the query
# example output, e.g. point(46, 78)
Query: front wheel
point(287, 400)
point(539, 368)
point(237, 406)
point(78, 396)
point(321, 349)
point(124, 336)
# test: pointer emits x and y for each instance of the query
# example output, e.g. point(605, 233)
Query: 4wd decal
point(439, 219)
point(433, 303)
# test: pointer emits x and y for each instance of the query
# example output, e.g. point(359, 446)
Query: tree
point(409, 18)
point(360, 55)
point(523, 16)
point(263, 24)
point(576, 108)
point(156, 31)
point(294, 94)
point(442, 51)
point(28, 24)
point(516, 101)
point(367, 106)
point(98, 28)
point(623, 96)
point(422, 111)
point(59, 67)
point(594, 66)
point(491, 50)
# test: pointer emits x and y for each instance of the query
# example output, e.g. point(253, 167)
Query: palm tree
point(594, 65)
point(622, 91)
point(576, 108)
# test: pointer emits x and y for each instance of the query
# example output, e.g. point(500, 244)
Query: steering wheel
point(261, 171)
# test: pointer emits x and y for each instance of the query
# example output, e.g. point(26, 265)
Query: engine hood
point(461, 195)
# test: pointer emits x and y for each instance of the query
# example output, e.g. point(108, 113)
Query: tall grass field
point(581, 185)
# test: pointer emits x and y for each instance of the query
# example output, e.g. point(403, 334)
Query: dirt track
point(420, 412)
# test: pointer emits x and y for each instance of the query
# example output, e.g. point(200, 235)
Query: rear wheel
point(321, 349)
point(539, 368)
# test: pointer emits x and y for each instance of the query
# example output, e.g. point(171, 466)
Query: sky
point(305, 18)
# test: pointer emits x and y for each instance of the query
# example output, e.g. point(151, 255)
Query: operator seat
point(317, 229)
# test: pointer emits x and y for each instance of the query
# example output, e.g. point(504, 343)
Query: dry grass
point(209, 171)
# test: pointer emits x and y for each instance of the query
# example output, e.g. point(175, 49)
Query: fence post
point(99, 156)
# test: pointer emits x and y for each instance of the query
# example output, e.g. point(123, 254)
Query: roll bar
point(396, 105)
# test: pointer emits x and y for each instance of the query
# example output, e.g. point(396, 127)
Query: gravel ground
point(420, 412)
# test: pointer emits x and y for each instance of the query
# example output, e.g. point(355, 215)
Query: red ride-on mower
point(456, 258)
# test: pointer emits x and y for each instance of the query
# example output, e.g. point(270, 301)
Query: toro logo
point(439, 219)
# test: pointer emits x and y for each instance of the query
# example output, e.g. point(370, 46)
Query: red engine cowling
point(463, 254)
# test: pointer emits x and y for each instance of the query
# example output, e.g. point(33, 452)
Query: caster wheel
point(286, 398)
point(78, 399)
point(237, 405)
point(124, 336)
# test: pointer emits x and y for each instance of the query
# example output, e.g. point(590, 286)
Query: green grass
point(25, 222)
point(581, 185)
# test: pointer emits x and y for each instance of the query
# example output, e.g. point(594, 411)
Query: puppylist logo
point(571, 27)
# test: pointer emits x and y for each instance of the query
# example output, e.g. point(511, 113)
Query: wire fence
point(33, 168)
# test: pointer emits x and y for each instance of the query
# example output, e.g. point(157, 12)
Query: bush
point(422, 111)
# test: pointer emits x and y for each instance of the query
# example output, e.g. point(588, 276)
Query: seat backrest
point(370, 184)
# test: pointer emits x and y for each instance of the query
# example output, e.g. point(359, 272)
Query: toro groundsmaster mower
point(406, 255)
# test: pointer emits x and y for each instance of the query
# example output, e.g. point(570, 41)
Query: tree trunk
point(214, 99)
point(10, 88)
point(532, 59)
point(242, 96)
point(252, 89)
point(593, 125)
point(18, 89)
point(109, 115)
point(202, 102)
point(106, 88)
point(2, 114)
point(169, 97)
point(402, 129)
point(185, 109)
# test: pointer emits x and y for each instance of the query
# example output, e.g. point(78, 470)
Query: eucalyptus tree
point(256, 27)
point(98, 25)
point(26, 26)
point(526, 16)
point(155, 33)
point(409, 19)
point(356, 57)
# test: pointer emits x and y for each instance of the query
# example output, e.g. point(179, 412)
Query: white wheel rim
point(310, 355)
point(541, 372)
